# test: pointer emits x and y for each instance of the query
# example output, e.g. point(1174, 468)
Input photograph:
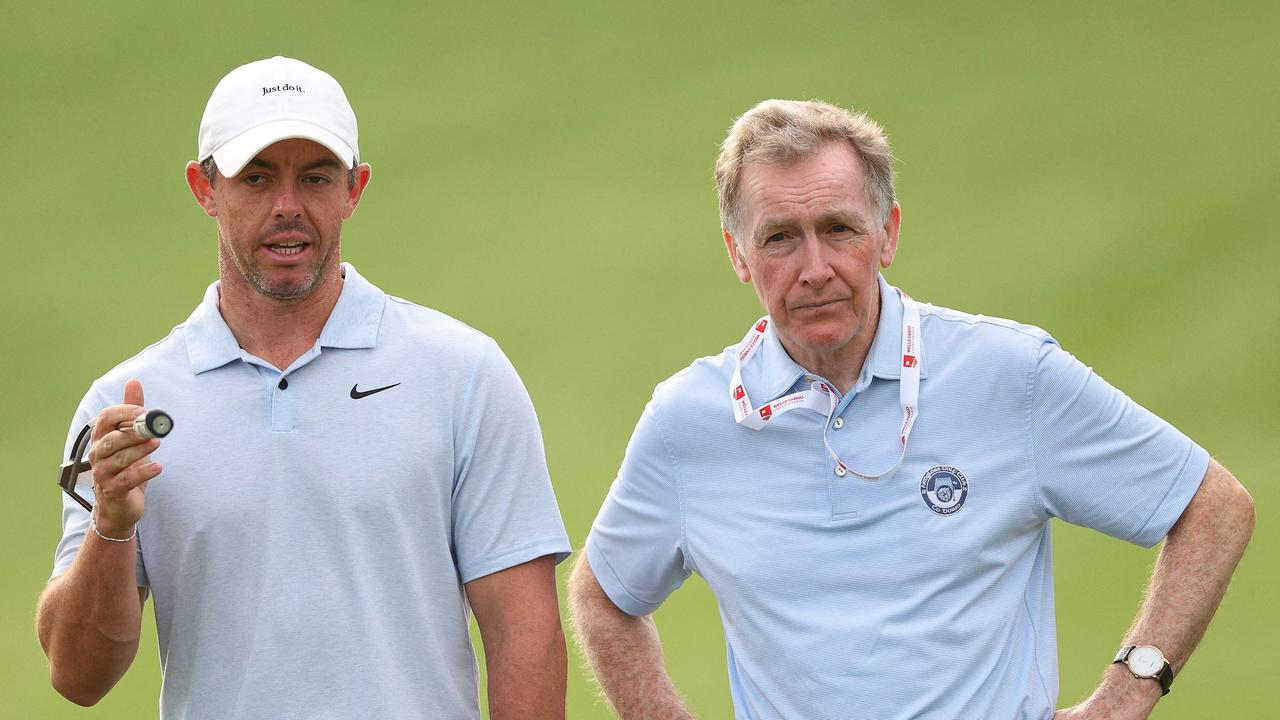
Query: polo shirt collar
point(778, 373)
point(355, 318)
point(210, 343)
point(353, 323)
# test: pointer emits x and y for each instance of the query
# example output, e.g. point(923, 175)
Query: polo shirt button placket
point(839, 423)
point(281, 407)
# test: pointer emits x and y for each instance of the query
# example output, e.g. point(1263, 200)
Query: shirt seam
point(1028, 409)
point(453, 448)
point(1037, 334)
point(690, 564)
point(465, 400)
point(1035, 647)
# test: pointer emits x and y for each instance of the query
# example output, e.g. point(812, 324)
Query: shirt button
point(283, 384)
point(840, 471)
point(808, 378)
point(839, 423)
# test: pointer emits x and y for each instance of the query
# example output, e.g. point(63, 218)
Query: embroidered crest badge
point(944, 489)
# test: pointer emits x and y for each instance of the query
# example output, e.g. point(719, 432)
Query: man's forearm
point(527, 676)
point(1190, 578)
point(1195, 566)
point(518, 612)
point(89, 621)
point(624, 652)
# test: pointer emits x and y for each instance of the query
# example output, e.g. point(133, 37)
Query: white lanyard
point(908, 387)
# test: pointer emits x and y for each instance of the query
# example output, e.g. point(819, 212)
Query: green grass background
point(1107, 170)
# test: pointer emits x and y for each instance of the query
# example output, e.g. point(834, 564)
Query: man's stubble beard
point(256, 279)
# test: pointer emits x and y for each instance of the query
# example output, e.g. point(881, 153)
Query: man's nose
point(288, 202)
point(816, 269)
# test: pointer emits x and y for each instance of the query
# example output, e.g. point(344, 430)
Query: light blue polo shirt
point(925, 594)
point(307, 543)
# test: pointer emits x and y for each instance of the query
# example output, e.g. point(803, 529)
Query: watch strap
point(1165, 678)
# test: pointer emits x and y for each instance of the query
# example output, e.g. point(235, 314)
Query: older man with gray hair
point(866, 482)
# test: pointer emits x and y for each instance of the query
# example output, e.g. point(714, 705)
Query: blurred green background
point(1106, 170)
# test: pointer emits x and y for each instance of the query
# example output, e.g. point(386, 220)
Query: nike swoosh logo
point(357, 394)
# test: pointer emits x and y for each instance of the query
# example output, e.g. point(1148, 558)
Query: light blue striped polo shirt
point(925, 594)
point(307, 543)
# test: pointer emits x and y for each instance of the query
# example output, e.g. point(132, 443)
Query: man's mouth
point(287, 239)
point(288, 248)
point(819, 304)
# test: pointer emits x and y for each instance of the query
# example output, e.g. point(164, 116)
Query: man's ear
point(735, 257)
point(891, 227)
point(363, 172)
point(201, 188)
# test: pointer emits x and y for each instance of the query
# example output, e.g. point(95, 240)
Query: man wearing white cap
point(350, 475)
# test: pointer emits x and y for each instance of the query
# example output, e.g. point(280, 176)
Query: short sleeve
point(75, 519)
point(635, 545)
point(1102, 460)
point(504, 509)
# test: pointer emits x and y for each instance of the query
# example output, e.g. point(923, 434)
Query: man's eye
point(776, 237)
point(839, 228)
point(254, 179)
point(317, 180)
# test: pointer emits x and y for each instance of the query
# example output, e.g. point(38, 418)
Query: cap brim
point(238, 151)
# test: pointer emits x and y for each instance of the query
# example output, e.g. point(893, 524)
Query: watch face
point(1145, 661)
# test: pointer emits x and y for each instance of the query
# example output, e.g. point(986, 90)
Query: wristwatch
point(1146, 661)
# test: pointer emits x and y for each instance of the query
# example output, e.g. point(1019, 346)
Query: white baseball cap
point(271, 100)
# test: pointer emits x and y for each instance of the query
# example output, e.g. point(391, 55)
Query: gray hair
point(781, 132)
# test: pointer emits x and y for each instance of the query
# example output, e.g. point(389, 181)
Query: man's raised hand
point(121, 465)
